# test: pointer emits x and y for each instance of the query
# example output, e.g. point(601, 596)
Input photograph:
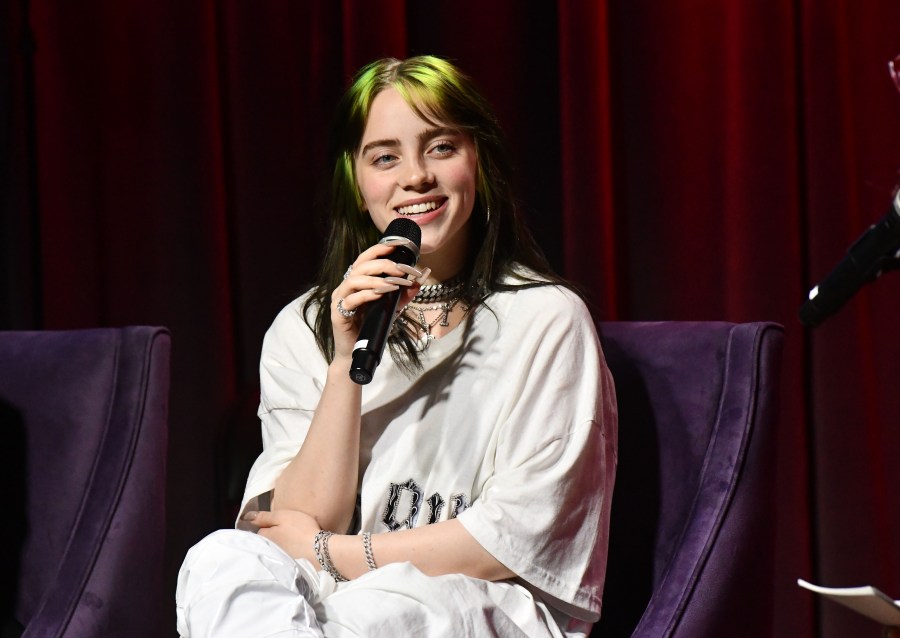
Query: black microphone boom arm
point(875, 251)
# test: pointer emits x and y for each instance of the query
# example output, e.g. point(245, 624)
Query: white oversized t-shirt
point(510, 427)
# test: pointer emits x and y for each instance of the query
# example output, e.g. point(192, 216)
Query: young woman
point(466, 490)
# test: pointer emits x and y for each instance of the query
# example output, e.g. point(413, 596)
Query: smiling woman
point(467, 488)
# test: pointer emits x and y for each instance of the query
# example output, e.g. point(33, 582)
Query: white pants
point(236, 584)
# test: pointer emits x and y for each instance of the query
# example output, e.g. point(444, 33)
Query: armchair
point(691, 529)
point(83, 417)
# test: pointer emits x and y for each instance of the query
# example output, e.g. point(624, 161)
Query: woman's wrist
point(340, 363)
point(349, 555)
point(339, 368)
point(339, 371)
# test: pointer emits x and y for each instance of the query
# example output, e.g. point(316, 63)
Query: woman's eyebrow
point(431, 133)
point(379, 143)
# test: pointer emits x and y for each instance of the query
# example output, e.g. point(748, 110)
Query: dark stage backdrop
point(681, 159)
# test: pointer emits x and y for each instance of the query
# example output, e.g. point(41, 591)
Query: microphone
point(406, 236)
point(875, 251)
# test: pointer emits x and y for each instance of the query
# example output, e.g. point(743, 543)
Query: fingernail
point(398, 280)
point(421, 279)
point(249, 516)
point(383, 289)
point(409, 270)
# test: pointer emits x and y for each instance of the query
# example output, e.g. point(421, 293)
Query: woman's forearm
point(437, 549)
point(322, 478)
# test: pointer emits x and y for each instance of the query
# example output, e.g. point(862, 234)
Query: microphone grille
point(405, 228)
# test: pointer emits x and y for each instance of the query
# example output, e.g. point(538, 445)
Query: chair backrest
point(691, 541)
point(84, 425)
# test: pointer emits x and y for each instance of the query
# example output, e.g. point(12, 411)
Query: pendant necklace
point(423, 325)
point(442, 298)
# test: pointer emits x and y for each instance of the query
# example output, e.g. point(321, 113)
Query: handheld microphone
point(406, 236)
point(876, 250)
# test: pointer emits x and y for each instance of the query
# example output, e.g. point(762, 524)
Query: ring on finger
point(349, 268)
point(344, 312)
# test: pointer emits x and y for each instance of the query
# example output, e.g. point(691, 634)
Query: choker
point(443, 291)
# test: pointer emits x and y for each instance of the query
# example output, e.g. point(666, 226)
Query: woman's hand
point(291, 530)
point(370, 276)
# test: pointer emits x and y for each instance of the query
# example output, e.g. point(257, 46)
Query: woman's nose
point(415, 174)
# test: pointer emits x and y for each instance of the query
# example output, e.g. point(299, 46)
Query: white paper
point(865, 600)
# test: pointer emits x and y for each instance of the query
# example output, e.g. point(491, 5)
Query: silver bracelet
point(320, 547)
point(317, 548)
point(367, 548)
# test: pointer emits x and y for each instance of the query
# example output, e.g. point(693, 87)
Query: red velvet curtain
point(680, 159)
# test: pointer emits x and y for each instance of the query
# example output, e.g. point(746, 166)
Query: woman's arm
point(322, 479)
point(440, 548)
point(437, 549)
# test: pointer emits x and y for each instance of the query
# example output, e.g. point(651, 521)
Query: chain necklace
point(423, 325)
point(444, 291)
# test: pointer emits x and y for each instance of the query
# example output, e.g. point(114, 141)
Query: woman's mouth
point(423, 212)
point(418, 209)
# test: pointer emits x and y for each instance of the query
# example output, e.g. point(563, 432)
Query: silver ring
point(344, 312)
point(349, 268)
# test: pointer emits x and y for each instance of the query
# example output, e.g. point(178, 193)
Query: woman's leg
point(398, 600)
point(236, 584)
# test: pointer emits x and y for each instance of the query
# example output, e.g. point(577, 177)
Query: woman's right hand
point(368, 278)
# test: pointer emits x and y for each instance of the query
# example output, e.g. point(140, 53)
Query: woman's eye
point(384, 158)
point(443, 148)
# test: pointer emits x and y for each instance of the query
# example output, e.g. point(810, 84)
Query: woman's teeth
point(417, 209)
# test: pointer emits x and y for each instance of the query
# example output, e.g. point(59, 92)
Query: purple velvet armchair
point(84, 421)
point(691, 540)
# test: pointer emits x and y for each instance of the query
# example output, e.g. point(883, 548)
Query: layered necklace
point(441, 297)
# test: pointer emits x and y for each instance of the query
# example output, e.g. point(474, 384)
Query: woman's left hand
point(292, 530)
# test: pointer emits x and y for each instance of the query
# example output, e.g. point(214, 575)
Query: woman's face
point(426, 172)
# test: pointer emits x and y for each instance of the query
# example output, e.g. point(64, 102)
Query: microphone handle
point(373, 337)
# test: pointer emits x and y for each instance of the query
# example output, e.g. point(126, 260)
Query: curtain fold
point(592, 242)
point(678, 159)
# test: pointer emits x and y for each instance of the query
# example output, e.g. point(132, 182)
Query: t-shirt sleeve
point(291, 374)
point(544, 513)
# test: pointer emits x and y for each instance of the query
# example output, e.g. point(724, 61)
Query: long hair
point(500, 244)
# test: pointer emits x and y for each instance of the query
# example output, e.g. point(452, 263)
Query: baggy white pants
point(239, 584)
point(236, 584)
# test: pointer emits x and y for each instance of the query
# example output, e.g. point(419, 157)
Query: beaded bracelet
point(367, 548)
point(320, 547)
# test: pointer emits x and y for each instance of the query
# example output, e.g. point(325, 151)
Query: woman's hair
point(499, 245)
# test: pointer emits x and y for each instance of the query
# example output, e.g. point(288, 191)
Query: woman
point(466, 490)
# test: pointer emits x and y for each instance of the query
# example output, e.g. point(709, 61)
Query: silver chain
point(425, 326)
point(443, 291)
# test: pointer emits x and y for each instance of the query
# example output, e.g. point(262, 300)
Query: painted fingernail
point(421, 278)
point(383, 289)
point(409, 270)
point(249, 516)
point(398, 280)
